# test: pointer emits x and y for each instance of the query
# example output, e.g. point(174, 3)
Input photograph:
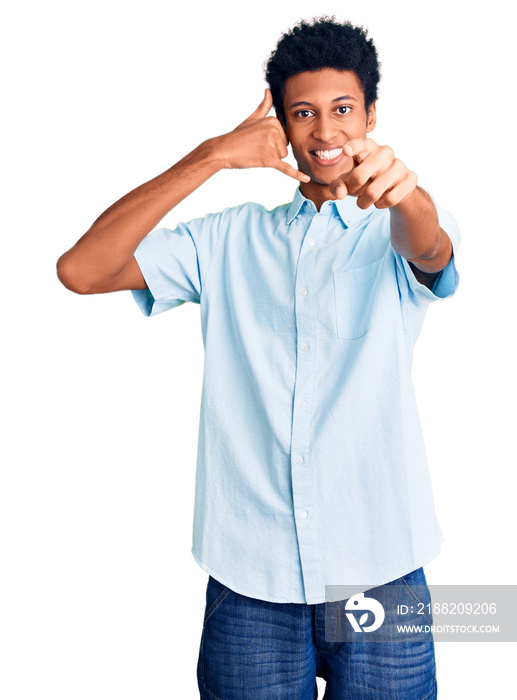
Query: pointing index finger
point(359, 148)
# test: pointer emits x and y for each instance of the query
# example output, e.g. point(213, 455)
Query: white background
point(100, 595)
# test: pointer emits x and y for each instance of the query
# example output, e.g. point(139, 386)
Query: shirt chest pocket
point(357, 294)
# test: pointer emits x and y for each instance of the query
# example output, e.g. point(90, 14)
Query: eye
point(303, 113)
point(343, 109)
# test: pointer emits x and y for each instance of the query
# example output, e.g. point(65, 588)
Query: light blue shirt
point(311, 468)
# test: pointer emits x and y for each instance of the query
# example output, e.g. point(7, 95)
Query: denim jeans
point(254, 649)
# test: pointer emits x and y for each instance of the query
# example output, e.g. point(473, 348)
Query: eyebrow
point(309, 104)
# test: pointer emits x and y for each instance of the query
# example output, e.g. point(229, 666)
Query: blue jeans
point(254, 649)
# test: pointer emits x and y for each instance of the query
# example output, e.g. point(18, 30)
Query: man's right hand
point(259, 142)
point(103, 260)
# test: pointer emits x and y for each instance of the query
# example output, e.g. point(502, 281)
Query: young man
point(311, 467)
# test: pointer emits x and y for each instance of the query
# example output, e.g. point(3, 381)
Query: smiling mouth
point(328, 157)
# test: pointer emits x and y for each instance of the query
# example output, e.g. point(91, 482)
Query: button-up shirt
point(311, 469)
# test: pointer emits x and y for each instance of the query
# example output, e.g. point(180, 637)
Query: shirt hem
point(236, 589)
point(241, 591)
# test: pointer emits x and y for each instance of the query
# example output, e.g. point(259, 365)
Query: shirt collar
point(346, 208)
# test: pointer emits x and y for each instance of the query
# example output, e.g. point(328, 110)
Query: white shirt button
point(303, 514)
point(305, 347)
point(303, 291)
point(311, 241)
point(299, 460)
point(302, 403)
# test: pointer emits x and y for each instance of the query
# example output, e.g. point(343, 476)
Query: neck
point(316, 192)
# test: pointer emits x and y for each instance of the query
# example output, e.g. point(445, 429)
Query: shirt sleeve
point(174, 263)
point(447, 281)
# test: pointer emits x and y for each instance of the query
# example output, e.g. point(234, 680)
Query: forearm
point(106, 248)
point(416, 232)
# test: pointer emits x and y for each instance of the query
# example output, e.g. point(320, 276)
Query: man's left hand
point(377, 177)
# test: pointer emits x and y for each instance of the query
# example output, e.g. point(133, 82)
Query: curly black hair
point(323, 43)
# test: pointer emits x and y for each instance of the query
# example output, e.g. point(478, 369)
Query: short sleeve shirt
point(311, 468)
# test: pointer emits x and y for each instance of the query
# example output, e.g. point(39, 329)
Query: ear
point(372, 117)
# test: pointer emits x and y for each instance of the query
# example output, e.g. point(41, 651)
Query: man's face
point(324, 109)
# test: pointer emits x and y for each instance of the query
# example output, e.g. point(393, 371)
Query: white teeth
point(329, 155)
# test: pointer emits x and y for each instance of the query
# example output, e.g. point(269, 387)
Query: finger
point(375, 189)
point(275, 122)
point(379, 161)
point(359, 148)
point(292, 172)
point(264, 107)
point(387, 191)
point(338, 188)
point(396, 194)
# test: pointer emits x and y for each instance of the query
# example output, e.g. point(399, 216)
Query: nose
point(324, 128)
